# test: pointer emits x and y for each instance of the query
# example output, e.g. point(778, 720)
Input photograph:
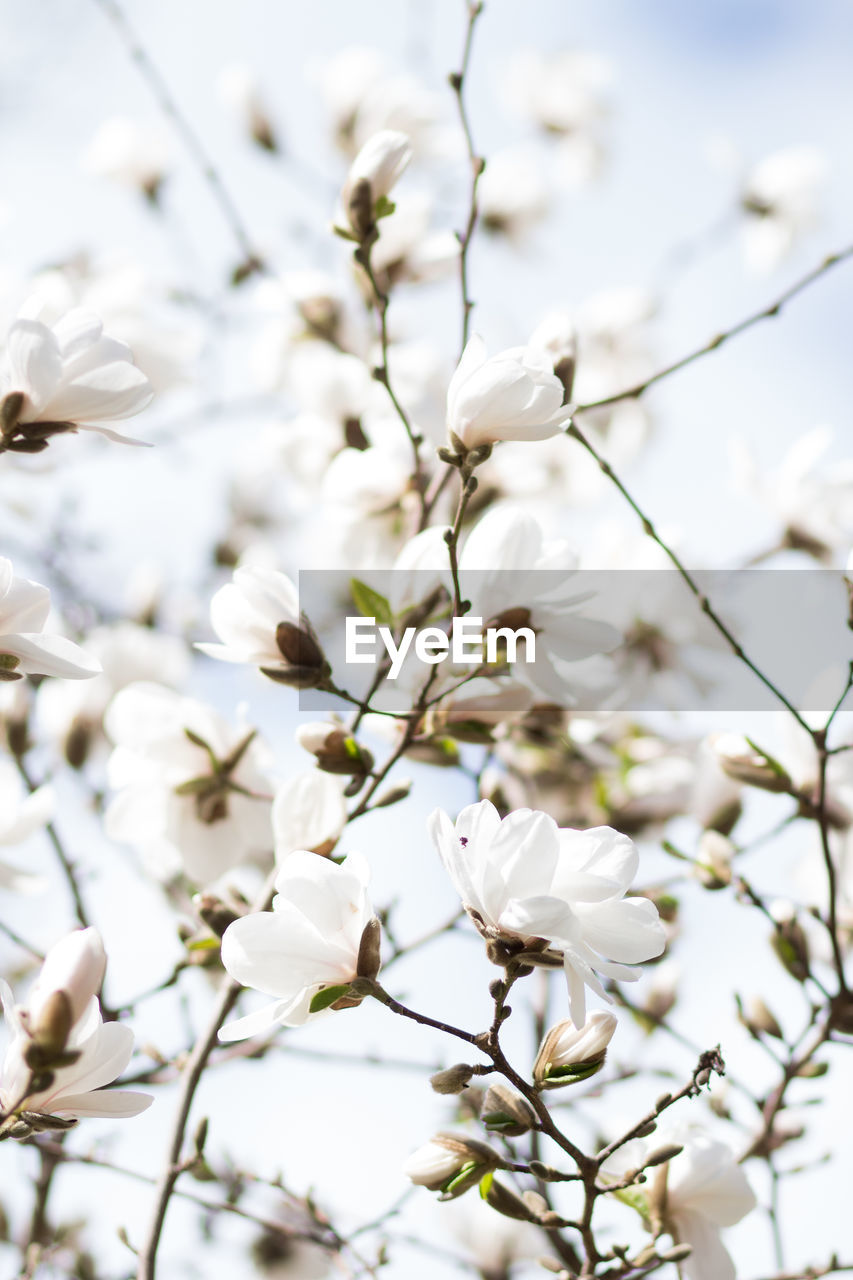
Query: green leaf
point(486, 1184)
point(635, 1200)
point(204, 944)
point(327, 996)
point(383, 208)
point(370, 603)
point(772, 763)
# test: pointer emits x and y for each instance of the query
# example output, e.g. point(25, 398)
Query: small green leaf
point(370, 603)
point(203, 944)
point(327, 996)
point(452, 1183)
point(635, 1200)
point(486, 1184)
point(383, 208)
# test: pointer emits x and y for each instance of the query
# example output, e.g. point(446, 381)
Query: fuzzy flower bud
point(505, 1111)
point(569, 1053)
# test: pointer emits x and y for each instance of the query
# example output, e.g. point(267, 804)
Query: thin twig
point(719, 339)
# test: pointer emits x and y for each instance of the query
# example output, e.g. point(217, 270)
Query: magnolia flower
point(515, 395)
point(309, 812)
point(257, 617)
point(24, 650)
point(550, 894)
point(692, 1196)
point(74, 968)
point(61, 1021)
point(372, 174)
point(129, 152)
point(318, 931)
point(810, 496)
point(450, 1163)
point(238, 88)
point(191, 789)
point(66, 377)
point(569, 1053)
point(780, 203)
point(515, 578)
point(72, 714)
point(564, 93)
point(511, 194)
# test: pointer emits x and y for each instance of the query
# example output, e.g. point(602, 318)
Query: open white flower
point(24, 649)
point(550, 894)
point(191, 788)
point(60, 1019)
point(130, 152)
point(257, 617)
point(66, 376)
point(693, 1195)
point(780, 203)
point(309, 812)
point(514, 395)
point(309, 941)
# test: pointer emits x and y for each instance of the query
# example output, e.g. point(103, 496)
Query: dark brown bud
point(369, 959)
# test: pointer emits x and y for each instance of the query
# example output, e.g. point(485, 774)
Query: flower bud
point(372, 174)
point(335, 749)
point(368, 962)
point(452, 1079)
point(505, 1111)
point(75, 968)
point(569, 1053)
point(714, 862)
point(758, 1019)
point(789, 941)
point(450, 1164)
point(740, 760)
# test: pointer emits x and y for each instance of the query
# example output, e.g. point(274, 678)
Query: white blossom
point(73, 970)
point(308, 942)
point(375, 170)
point(24, 648)
point(258, 620)
point(511, 193)
point(514, 395)
point(172, 802)
point(569, 1053)
point(780, 203)
point(526, 882)
point(70, 373)
point(309, 812)
point(693, 1196)
point(130, 152)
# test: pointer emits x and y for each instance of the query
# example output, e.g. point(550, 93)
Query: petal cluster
point(24, 607)
point(309, 941)
point(62, 1019)
point(515, 395)
point(257, 619)
point(72, 373)
point(533, 886)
